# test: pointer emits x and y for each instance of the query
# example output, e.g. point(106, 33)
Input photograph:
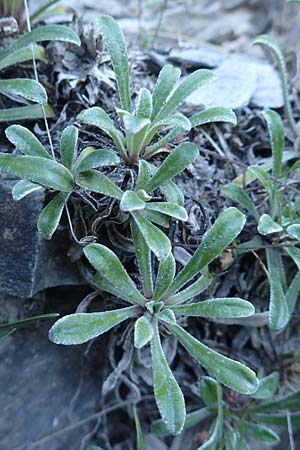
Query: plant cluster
point(142, 138)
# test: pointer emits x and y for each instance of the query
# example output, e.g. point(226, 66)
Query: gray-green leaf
point(50, 216)
point(81, 327)
point(43, 171)
point(168, 395)
point(23, 188)
point(98, 182)
point(26, 88)
point(143, 332)
point(108, 264)
point(165, 276)
point(115, 42)
point(232, 374)
point(68, 146)
point(218, 308)
point(25, 141)
point(176, 162)
point(225, 229)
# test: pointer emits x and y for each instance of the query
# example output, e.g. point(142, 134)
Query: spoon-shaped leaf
point(115, 42)
point(272, 46)
point(144, 104)
point(167, 78)
point(29, 112)
point(130, 201)
point(217, 307)
point(22, 55)
point(81, 327)
point(50, 216)
point(25, 141)
point(43, 171)
point(143, 256)
point(214, 114)
point(168, 395)
point(165, 276)
point(225, 229)
point(184, 90)
point(91, 158)
point(68, 146)
point(232, 374)
point(192, 291)
point(143, 332)
point(98, 182)
point(237, 194)
point(156, 240)
point(26, 88)
point(23, 188)
point(168, 208)
point(110, 267)
point(176, 162)
point(266, 225)
point(278, 309)
point(276, 132)
point(43, 33)
point(97, 117)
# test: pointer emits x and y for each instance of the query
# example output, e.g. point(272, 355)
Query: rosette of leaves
point(22, 49)
point(253, 420)
point(159, 304)
point(38, 169)
point(139, 204)
point(280, 223)
point(152, 112)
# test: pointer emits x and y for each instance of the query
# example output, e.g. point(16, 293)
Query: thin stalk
point(37, 80)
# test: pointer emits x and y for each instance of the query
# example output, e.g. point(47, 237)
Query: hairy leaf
point(165, 276)
point(143, 332)
point(266, 225)
point(167, 78)
point(143, 256)
point(168, 208)
point(26, 88)
point(267, 386)
point(43, 171)
point(22, 55)
point(192, 291)
point(91, 158)
point(25, 113)
point(23, 188)
point(144, 104)
point(215, 114)
point(154, 237)
point(261, 433)
point(278, 309)
point(115, 42)
point(232, 374)
point(237, 194)
point(50, 216)
point(168, 395)
point(81, 327)
point(25, 141)
point(68, 146)
point(225, 229)
point(97, 117)
point(176, 162)
point(110, 267)
point(98, 182)
point(43, 33)
point(276, 132)
point(217, 307)
point(130, 201)
point(184, 90)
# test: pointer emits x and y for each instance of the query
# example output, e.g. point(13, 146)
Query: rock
point(240, 81)
point(197, 57)
point(28, 263)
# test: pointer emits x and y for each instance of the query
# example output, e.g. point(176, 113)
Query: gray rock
point(28, 263)
point(240, 81)
point(197, 57)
